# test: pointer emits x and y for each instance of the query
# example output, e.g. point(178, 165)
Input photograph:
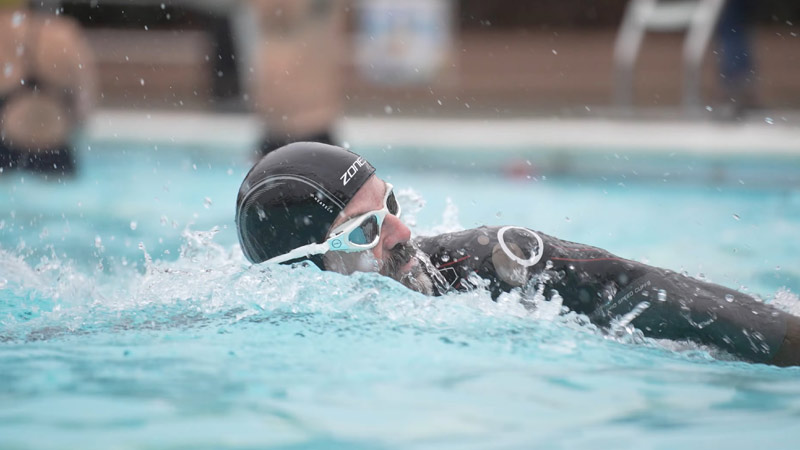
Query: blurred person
point(324, 205)
point(47, 84)
point(297, 91)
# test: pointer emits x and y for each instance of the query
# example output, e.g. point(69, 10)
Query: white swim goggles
point(356, 235)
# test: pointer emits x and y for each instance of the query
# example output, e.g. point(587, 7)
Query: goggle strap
point(301, 252)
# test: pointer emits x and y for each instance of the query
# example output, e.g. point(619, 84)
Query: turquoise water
point(129, 318)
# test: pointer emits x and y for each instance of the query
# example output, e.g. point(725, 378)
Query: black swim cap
point(292, 196)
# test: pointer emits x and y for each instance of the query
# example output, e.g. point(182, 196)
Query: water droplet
point(729, 298)
point(388, 109)
point(439, 102)
point(163, 6)
point(98, 242)
point(7, 69)
point(134, 225)
point(777, 268)
point(17, 19)
point(141, 81)
point(554, 51)
point(769, 120)
point(736, 217)
point(567, 219)
point(207, 202)
point(146, 29)
point(662, 295)
point(709, 108)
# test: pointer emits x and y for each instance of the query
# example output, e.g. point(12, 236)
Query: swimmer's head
point(293, 195)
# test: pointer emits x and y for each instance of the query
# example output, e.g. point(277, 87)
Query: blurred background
point(686, 98)
point(502, 58)
point(280, 71)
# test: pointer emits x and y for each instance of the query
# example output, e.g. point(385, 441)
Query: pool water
point(130, 319)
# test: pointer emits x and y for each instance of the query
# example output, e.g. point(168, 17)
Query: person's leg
point(736, 60)
point(269, 143)
point(8, 159)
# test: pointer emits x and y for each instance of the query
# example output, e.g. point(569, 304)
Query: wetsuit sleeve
point(608, 289)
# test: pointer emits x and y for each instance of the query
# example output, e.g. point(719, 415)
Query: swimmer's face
point(393, 256)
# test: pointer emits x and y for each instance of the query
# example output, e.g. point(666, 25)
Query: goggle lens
point(366, 233)
point(391, 204)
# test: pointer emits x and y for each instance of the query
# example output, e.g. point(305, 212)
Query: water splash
point(787, 301)
point(213, 287)
point(450, 221)
point(411, 203)
point(622, 327)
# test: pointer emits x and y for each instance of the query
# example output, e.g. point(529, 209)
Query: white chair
point(697, 18)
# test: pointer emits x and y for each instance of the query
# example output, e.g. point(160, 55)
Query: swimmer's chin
point(412, 276)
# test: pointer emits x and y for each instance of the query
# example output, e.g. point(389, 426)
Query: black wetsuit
point(591, 281)
point(58, 159)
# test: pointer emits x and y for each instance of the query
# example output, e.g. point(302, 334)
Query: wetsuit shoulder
point(498, 258)
point(659, 302)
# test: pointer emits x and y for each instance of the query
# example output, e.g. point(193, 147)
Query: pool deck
point(763, 134)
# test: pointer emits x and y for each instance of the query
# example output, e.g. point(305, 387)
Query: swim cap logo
point(352, 171)
point(317, 198)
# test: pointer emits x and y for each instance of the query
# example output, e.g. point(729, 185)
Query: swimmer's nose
point(394, 232)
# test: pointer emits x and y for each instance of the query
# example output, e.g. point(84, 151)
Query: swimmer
point(324, 204)
point(46, 89)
